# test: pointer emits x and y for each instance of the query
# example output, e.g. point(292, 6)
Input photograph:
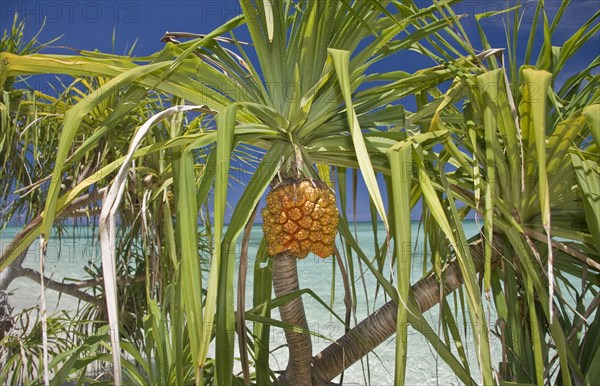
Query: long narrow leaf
point(341, 61)
point(401, 167)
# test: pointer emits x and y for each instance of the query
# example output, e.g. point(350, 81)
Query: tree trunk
point(285, 281)
point(12, 271)
point(381, 325)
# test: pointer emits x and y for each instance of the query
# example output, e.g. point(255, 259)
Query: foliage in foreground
point(506, 142)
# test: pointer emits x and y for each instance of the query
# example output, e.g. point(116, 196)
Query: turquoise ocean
point(67, 258)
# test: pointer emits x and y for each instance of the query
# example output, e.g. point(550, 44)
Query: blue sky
point(90, 24)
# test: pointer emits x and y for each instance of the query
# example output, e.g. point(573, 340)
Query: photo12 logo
point(70, 12)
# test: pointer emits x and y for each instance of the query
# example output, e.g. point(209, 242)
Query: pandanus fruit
point(301, 216)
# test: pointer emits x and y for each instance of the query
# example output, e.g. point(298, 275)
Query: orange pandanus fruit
point(301, 217)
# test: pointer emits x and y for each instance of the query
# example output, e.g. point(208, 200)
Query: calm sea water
point(66, 260)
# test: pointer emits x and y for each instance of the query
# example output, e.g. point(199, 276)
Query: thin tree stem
point(241, 300)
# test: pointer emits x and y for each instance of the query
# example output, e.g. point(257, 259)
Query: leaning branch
point(76, 204)
point(100, 281)
point(69, 289)
point(381, 325)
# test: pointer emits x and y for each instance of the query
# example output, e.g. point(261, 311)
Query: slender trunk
point(381, 325)
point(285, 281)
point(12, 271)
point(241, 300)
